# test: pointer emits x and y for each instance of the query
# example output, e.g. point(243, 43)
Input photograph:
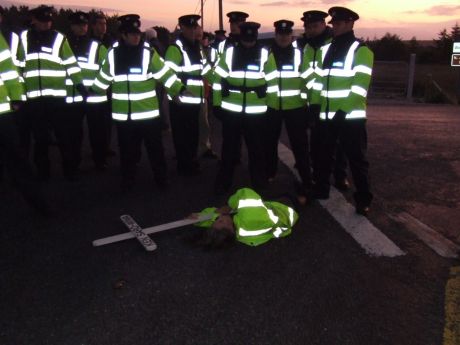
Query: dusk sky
point(420, 18)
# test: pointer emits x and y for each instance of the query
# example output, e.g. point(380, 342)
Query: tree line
point(390, 47)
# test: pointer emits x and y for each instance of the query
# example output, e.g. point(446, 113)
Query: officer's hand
point(17, 105)
point(339, 115)
point(217, 112)
point(83, 91)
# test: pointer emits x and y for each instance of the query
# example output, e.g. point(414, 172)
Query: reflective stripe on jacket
point(283, 81)
point(237, 88)
point(47, 64)
point(344, 85)
point(10, 87)
point(134, 83)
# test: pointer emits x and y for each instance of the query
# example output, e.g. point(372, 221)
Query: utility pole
point(221, 24)
point(202, 15)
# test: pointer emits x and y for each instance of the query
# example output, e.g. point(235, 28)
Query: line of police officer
point(254, 89)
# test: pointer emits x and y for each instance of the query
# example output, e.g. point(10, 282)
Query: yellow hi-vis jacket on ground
point(256, 221)
point(10, 87)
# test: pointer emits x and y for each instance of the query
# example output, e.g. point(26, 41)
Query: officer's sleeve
point(307, 72)
point(316, 83)
point(102, 54)
point(362, 68)
point(220, 72)
point(242, 194)
point(70, 63)
point(208, 223)
point(173, 58)
point(271, 76)
point(165, 74)
point(287, 217)
point(105, 76)
point(9, 74)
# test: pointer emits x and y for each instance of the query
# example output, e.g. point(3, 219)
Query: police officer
point(132, 68)
point(98, 30)
point(235, 18)
point(90, 54)
point(47, 60)
point(317, 34)
point(282, 72)
point(344, 74)
point(11, 153)
point(186, 58)
point(240, 90)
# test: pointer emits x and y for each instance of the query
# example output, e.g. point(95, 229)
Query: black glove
point(339, 116)
point(217, 112)
point(83, 91)
point(17, 105)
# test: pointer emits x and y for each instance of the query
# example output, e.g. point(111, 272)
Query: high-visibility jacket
point(47, 60)
point(311, 89)
point(10, 87)
point(282, 73)
point(256, 221)
point(90, 54)
point(133, 72)
point(239, 83)
point(344, 77)
point(12, 38)
point(189, 63)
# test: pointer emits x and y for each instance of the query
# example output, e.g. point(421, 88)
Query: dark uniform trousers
point(352, 136)
point(296, 124)
point(76, 115)
point(252, 128)
point(99, 119)
point(48, 115)
point(16, 163)
point(339, 158)
point(184, 119)
point(131, 135)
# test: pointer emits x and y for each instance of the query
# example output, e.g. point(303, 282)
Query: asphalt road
point(317, 286)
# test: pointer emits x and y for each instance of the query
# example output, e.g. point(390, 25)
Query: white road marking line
point(371, 239)
point(433, 239)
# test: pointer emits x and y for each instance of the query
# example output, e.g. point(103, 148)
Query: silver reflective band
point(190, 100)
point(161, 72)
point(289, 93)
point(277, 233)
point(69, 61)
point(274, 218)
point(363, 69)
point(120, 117)
point(10, 75)
point(221, 72)
point(256, 109)
point(359, 90)
point(247, 233)
point(232, 107)
point(356, 114)
point(250, 203)
point(4, 107)
point(272, 75)
point(73, 70)
point(4, 55)
point(145, 115)
point(44, 73)
point(291, 215)
point(47, 92)
point(101, 85)
point(335, 94)
point(96, 99)
point(88, 82)
point(193, 82)
point(134, 96)
point(216, 86)
point(47, 49)
point(170, 81)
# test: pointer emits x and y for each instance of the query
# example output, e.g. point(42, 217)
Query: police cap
point(43, 13)
point(237, 16)
point(313, 16)
point(283, 26)
point(78, 17)
point(129, 23)
point(341, 13)
point(98, 15)
point(190, 20)
point(220, 32)
point(249, 31)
